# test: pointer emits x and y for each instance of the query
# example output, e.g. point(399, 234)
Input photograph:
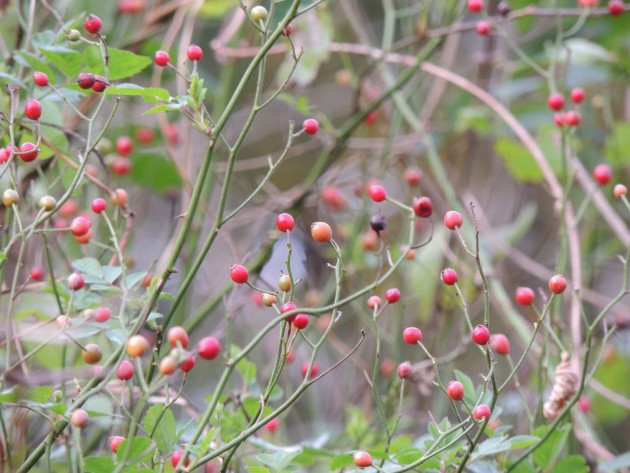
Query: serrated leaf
point(162, 423)
point(148, 94)
point(522, 441)
point(279, 460)
point(341, 461)
point(122, 63)
point(89, 267)
point(139, 447)
point(155, 172)
point(99, 464)
point(409, 455)
point(572, 464)
point(68, 61)
point(551, 448)
point(491, 446)
point(469, 386)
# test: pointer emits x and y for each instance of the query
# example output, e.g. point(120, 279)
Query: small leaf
point(551, 448)
point(66, 60)
point(8, 395)
point(89, 267)
point(111, 273)
point(99, 464)
point(134, 279)
point(279, 460)
point(155, 172)
point(341, 461)
point(28, 59)
point(149, 94)
point(168, 107)
point(482, 467)
point(573, 464)
point(409, 455)
point(39, 394)
point(139, 447)
point(122, 63)
point(522, 441)
point(469, 386)
point(163, 423)
point(492, 446)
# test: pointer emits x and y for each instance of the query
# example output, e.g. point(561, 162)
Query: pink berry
point(362, 459)
point(162, 58)
point(500, 344)
point(557, 284)
point(37, 273)
point(76, 281)
point(177, 335)
point(125, 371)
point(300, 321)
point(615, 7)
point(392, 295)
point(453, 219)
point(404, 370)
point(272, 425)
point(412, 335)
point(480, 335)
point(483, 28)
point(310, 126)
point(374, 301)
point(449, 276)
point(124, 145)
point(208, 348)
point(558, 119)
point(602, 173)
point(30, 152)
point(80, 226)
point(285, 222)
point(475, 6)
point(525, 295)
point(194, 52)
point(288, 30)
point(584, 404)
point(102, 314)
point(33, 109)
point(287, 307)
point(114, 442)
point(572, 118)
point(188, 364)
point(98, 205)
point(620, 190)
point(555, 101)
point(93, 24)
point(239, 274)
point(314, 369)
point(121, 166)
point(413, 176)
point(481, 412)
point(423, 207)
point(40, 79)
point(455, 390)
point(177, 456)
point(577, 95)
point(377, 193)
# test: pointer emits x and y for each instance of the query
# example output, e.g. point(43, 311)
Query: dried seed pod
point(565, 386)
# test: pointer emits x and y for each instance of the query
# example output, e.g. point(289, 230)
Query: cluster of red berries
point(27, 152)
point(570, 118)
point(482, 27)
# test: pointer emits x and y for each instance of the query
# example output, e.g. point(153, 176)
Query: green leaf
point(341, 461)
point(279, 460)
point(164, 424)
point(522, 441)
point(552, 447)
point(122, 63)
point(616, 464)
point(469, 387)
point(8, 395)
point(99, 464)
point(89, 266)
point(518, 160)
point(246, 369)
point(39, 394)
point(572, 464)
point(491, 446)
point(482, 467)
point(12, 79)
point(409, 455)
point(28, 59)
point(68, 61)
point(149, 94)
point(169, 107)
point(155, 172)
point(139, 447)
point(111, 273)
point(617, 147)
point(258, 469)
point(215, 8)
point(134, 279)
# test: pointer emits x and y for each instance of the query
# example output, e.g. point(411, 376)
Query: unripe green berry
point(259, 13)
point(10, 197)
point(73, 36)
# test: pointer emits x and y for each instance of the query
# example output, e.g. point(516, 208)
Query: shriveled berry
point(378, 223)
point(423, 207)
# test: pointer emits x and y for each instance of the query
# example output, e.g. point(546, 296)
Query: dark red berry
point(378, 223)
point(93, 24)
point(100, 84)
point(86, 80)
point(423, 207)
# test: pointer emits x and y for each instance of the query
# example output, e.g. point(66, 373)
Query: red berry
point(423, 207)
point(483, 28)
point(453, 219)
point(208, 348)
point(412, 335)
point(482, 411)
point(620, 190)
point(287, 31)
point(404, 370)
point(40, 79)
point(555, 101)
point(525, 295)
point(577, 95)
point(177, 456)
point(558, 119)
point(392, 295)
point(100, 84)
point(370, 117)
point(125, 371)
point(194, 52)
point(587, 3)
point(615, 7)
point(33, 109)
point(387, 367)
point(602, 173)
point(413, 176)
point(177, 334)
point(480, 335)
point(300, 321)
point(76, 281)
point(93, 24)
point(124, 145)
point(572, 118)
point(188, 364)
point(449, 276)
point(145, 135)
point(584, 404)
point(374, 301)
point(287, 307)
point(310, 126)
point(130, 6)
point(314, 369)
point(362, 459)
point(37, 273)
point(162, 58)
point(321, 232)
point(121, 165)
point(333, 198)
point(377, 193)
point(272, 425)
point(4, 154)
point(114, 442)
point(475, 6)
point(86, 80)
point(30, 152)
point(98, 205)
point(557, 284)
point(80, 226)
point(285, 222)
point(102, 314)
point(455, 390)
point(239, 274)
point(500, 344)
